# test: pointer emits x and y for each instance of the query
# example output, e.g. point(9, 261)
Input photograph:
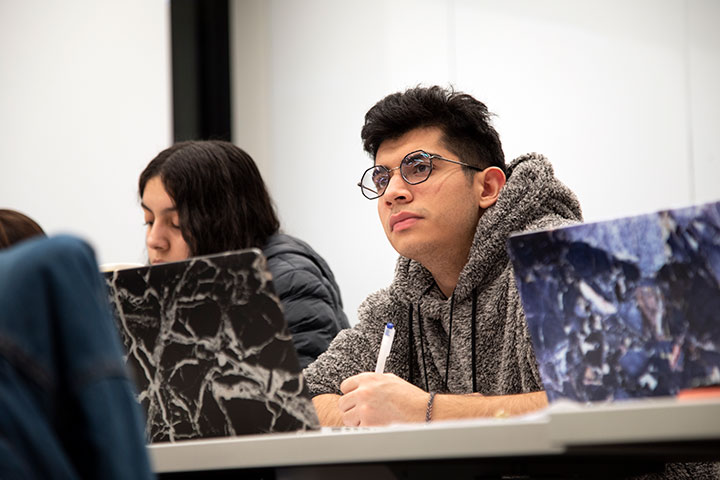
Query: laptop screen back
point(209, 348)
point(624, 308)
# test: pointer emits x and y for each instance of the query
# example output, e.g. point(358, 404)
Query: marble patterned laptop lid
point(209, 348)
point(624, 308)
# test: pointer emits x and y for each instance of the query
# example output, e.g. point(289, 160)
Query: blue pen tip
point(390, 325)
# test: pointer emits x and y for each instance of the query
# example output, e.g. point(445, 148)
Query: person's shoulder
point(282, 244)
point(380, 304)
point(289, 256)
point(551, 221)
point(57, 248)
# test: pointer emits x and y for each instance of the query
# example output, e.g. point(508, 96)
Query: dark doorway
point(200, 69)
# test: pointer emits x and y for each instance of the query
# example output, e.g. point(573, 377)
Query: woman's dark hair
point(465, 123)
point(221, 198)
point(15, 227)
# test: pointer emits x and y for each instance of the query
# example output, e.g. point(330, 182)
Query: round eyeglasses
point(415, 168)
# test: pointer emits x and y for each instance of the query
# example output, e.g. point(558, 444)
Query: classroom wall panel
point(618, 95)
point(84, 106)
point(621, 96)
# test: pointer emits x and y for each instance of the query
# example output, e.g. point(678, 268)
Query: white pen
point(385, 347)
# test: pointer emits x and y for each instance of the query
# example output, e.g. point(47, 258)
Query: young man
point(447, 203)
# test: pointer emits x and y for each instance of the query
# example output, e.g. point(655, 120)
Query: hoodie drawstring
point(447, 358)
point(411, 343)
point(473, 340)
point(422, 347)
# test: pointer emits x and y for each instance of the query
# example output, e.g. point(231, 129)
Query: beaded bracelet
point(428, 412)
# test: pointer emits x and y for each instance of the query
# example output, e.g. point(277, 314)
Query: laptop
point(624, 308)
point(209, 348)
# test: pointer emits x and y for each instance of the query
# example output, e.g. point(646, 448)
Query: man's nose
point(397, 189)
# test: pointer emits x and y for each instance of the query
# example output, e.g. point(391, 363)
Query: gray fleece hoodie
point(504, 360)
point(432, 329)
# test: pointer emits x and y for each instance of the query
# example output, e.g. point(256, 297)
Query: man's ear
point(488, 184)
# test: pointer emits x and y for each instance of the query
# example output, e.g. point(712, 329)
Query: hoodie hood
point(532, 198)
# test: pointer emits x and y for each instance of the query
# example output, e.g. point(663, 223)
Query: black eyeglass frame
point(428, 156)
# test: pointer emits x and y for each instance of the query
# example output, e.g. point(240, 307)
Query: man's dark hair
point(221, 198)
point(465, 123)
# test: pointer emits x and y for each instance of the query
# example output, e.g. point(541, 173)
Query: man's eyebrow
point(165, 210)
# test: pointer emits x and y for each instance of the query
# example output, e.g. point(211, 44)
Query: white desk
point(651, 429)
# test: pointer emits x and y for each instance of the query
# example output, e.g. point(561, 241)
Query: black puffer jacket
point(309, 294)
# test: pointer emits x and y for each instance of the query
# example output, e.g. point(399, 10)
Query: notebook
point(209, 348)
point(624, 308)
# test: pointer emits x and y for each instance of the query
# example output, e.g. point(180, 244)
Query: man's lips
point(403, 220)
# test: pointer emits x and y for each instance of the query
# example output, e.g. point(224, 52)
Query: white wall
point(703, 71)
point(84, 106)
point(621, 96)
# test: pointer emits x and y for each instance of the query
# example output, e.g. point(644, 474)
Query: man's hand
point(379, 399)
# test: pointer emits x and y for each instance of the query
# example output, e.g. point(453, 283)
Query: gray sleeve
point(353, 351)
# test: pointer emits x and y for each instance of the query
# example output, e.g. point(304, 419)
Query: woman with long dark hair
point(204, 197)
